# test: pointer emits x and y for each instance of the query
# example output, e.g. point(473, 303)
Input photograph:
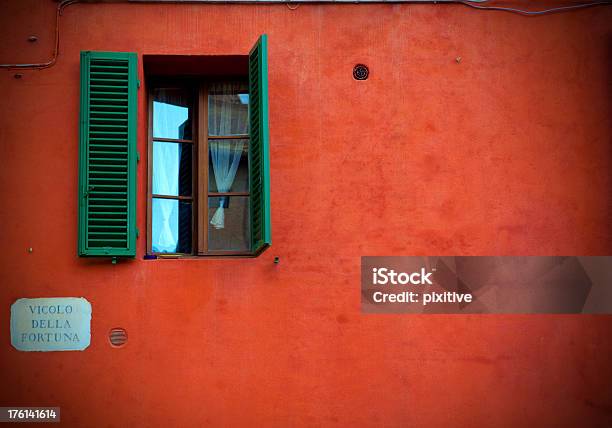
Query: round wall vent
point(117, 336)
point(361, 72)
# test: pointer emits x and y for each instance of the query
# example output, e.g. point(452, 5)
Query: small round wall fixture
point(361, 72)
point(117, 337)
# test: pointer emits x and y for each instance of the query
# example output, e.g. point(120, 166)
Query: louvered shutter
point(107, 154)
point(259, 147)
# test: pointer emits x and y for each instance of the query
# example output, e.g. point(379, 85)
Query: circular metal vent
point(361, 72)
point(117, 336)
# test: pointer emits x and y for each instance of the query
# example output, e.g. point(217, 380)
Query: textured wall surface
point(507, 152)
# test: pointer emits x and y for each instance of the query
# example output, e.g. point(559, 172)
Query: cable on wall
point(60, 8)
point(536, 12)
point(292, 8)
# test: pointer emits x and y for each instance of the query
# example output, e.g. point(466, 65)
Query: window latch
point(89, 189)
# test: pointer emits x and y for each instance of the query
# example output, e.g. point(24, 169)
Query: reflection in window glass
point(228, 106)
point(171, 114)
point(170, 226)
point(172, 165)
point(228, 165)
point(228, 223)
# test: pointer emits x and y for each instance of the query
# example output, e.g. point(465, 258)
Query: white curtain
point(227, 116)
point(225, 159)
point(165, 211)
point(168, 116)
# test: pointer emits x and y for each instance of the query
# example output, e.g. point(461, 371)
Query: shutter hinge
point(137, 156)
point(137, 233)
point(138, 84)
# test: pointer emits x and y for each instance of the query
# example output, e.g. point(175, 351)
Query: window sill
point(166, 256)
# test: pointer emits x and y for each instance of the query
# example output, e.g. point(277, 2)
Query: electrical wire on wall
point(536, 12)
point(476, 4)
point(60, 8)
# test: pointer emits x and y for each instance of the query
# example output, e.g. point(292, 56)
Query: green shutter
point(259, 147)
point(107, 154)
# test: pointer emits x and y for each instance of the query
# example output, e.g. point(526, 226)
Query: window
point(203, 166)
point(208, 152)
point(200, 168)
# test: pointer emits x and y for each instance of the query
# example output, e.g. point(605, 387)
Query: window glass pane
point(228, 163)
point(228, 223)
point(170, 226)
point(228, 106)
point(172, 113)
point(172, 165)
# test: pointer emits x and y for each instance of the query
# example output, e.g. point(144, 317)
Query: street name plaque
point(51, 324)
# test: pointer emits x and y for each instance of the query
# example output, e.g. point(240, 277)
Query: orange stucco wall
point(507, 152)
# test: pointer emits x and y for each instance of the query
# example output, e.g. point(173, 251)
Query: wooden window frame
point(199, 88)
